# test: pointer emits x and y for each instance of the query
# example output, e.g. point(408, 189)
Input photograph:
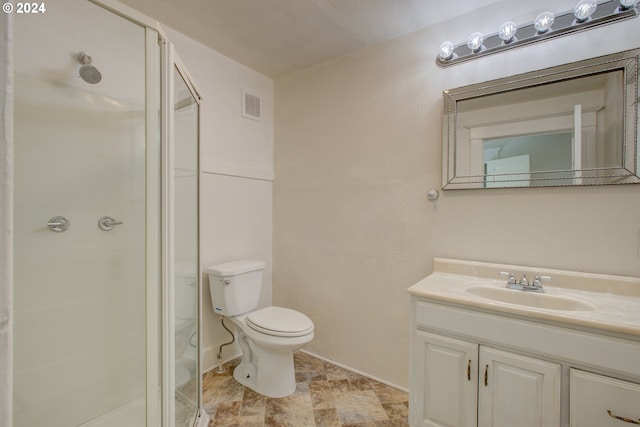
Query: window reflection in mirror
point(528, 153)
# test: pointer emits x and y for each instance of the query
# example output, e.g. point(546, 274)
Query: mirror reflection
point(569, 125)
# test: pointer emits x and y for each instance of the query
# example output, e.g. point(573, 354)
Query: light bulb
point(584, 9)
point(474, 42)
point(507, 31)
point(543, 22)
point(627, 4)
point(446, 51)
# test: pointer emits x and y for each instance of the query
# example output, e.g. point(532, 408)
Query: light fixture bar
point(607, 12)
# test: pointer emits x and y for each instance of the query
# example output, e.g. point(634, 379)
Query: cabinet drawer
point(599, 401)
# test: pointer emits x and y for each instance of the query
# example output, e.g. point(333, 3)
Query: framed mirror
point(574, 124)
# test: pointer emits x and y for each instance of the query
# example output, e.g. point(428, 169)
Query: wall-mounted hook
point(433, 194)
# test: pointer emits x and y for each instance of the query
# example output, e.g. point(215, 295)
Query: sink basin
point(530, 299)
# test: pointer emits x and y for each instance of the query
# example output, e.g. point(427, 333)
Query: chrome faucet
point(525, 284)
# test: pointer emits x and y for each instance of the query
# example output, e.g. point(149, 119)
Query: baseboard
point(364, 374)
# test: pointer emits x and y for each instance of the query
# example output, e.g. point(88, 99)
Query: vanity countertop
point(613, 301)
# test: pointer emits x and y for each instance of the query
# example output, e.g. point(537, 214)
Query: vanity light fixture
point(474, 42)
point(627, 4)
point(446, 51)
point(543, 22)
point(507, 32)
point(584, 9)
point(586, 14)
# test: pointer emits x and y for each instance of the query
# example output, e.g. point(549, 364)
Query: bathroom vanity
point(486, 355)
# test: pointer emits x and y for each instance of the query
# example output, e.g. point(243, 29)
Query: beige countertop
point(613, 301)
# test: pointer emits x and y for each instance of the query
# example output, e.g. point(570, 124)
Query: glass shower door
point(183, 307)
point(186, 250)
point(80, 355)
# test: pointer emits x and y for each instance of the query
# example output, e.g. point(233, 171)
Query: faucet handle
point(512, 283)
point(512, 277)
point(539, 279)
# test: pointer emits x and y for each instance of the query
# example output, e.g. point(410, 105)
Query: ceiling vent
point(251, 106)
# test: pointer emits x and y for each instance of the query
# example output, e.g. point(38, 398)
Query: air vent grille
point(251, 106)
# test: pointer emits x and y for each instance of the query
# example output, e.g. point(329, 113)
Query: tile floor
point(326, 396)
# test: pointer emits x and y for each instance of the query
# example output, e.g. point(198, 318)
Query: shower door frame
point(155, 193)
point(161, 60)
point(170, 64)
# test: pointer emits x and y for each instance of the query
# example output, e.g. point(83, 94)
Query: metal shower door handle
point(59, 224)
point(107, 223)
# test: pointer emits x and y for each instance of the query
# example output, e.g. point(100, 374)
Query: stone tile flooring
point(326, 396)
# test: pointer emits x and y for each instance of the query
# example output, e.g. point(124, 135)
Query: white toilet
point(268, 336)
point(186, 311)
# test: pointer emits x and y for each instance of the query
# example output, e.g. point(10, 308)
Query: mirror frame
point(628, 173)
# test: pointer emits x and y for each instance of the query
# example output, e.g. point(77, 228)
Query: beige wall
point(358, 145)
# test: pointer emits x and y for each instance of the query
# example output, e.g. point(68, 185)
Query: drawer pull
point(469, 371)
point(486, 375)
point(625, 419)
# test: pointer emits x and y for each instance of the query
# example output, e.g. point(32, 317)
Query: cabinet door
point(444, 384)
point(596, 400)
point(516, 390)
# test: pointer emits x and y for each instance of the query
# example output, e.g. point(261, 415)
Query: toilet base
point(272, 374)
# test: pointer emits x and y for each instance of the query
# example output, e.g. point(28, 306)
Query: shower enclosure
point(106, 287)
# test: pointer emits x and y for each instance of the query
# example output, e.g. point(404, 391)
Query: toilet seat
point(279, 322)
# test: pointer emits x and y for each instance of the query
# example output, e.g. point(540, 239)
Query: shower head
point(88, 72)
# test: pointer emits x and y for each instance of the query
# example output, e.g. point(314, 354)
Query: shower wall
point(80, 294)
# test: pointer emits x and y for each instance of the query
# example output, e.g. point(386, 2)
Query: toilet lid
point(279, 321)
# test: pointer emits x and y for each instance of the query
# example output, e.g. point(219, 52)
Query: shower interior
point(93, 341)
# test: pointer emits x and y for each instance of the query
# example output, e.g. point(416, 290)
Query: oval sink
point(530, 299)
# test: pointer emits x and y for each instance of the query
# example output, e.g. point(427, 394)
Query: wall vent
point(251, 106)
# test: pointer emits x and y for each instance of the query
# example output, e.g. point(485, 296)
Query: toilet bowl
point(267, 336)
point(267, 358)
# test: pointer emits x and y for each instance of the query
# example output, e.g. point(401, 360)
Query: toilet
point(186, 311)
point(267, 336)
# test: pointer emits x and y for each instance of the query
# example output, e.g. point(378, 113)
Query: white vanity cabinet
point(517, 390)
point(486, 355)
point(597, 400)
point(460, 383)
point(444, 381)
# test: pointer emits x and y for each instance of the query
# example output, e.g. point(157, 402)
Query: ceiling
point(275, 37)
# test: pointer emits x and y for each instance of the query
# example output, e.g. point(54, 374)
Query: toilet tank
point(186, 290)
point(235, 286)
